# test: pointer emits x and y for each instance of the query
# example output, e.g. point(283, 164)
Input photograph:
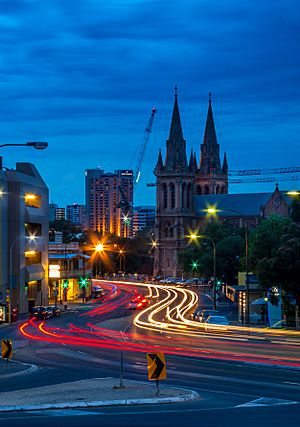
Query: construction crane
point(294, 169)
point(137, 171)
point(124, 203)
point(253, 172)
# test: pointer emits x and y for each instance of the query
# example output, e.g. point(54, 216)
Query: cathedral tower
point(174, 197)
point(211, 178)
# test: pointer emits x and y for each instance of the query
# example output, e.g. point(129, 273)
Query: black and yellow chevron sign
point(7, 349)
point(157, 368)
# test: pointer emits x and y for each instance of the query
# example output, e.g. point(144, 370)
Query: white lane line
point(266, 401)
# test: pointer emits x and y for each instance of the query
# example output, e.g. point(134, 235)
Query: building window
point(32, 200)
point(172, 195)
point(206, 189)
point(33, 229)
point(223, 190)
point(183, 195)
point(199, 190)
point(165, 195)
point(189, 196)
point(218, 188)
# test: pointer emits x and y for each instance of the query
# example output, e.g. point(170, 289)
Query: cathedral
point(184, 189)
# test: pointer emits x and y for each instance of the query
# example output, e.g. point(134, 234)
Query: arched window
point(189, 196)
point(171, 232)
point(165, 195)
point(166, 231)
point(199, 190)
point(183, 195)
point(206, 189)
point(218, 189)
point(223, 190)
point(172, 195)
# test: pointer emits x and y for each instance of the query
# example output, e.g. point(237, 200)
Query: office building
point(143, 218)
point(24, 213)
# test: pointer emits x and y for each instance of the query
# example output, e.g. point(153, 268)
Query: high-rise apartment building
point(76, 214)
point(109, 198)
point(60, 214)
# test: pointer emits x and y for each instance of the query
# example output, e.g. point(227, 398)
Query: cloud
point(77, 73)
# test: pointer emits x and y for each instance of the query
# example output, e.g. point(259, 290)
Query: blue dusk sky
point(85, 74)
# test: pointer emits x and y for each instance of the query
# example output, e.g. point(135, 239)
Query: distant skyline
point(84, 76)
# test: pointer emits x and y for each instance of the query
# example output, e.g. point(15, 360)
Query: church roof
point(248, 204)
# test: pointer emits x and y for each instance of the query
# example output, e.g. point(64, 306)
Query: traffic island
point(91, 393)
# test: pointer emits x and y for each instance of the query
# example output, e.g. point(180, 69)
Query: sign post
point(157, 369)
point(7, 349)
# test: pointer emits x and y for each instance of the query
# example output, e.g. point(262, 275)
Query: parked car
point(216, 324)
point(204, 314)
point(54, 310)
point(40, 312)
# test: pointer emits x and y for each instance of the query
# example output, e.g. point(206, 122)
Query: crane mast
point(137, 171)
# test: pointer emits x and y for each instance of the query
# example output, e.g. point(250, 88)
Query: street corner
point(12, 368)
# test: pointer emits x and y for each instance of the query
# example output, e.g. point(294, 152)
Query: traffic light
point(65, 283)
point(218, 285)
point(195, 265)
point(83, 282)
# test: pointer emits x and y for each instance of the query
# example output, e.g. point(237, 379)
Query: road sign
point(7, 349)
point(157, 369)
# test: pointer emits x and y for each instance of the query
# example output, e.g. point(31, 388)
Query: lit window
point(32, 200)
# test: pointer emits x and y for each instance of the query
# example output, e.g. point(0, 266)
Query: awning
point(67, 256)
point(34, 272)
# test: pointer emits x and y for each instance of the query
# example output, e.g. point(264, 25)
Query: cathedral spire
point(210, 158)
point(176, 160)
point(159, 164)
point(225, 165)
point(175, 129)
point(210, 136)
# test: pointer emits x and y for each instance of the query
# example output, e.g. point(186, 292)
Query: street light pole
point(214, 211)
point(204, 236)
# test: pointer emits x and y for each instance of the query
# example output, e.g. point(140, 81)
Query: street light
point(214, 211)
point(195, 236)
point(99, 248)
point(122, 254)
point(38, 145)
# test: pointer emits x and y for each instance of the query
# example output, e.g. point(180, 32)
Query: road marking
point(266, 401)
point(64, 412)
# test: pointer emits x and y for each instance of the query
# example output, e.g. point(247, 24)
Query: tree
point(230, 247)
point(264, 240)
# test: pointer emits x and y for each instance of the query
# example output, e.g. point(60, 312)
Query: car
point(196, 313)
point(216, 324)
point(138, 302)
point(54, 310)
point(97, 292)
point(40, 312)
point(204, 314)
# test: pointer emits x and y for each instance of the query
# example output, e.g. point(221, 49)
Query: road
point(231, 392)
